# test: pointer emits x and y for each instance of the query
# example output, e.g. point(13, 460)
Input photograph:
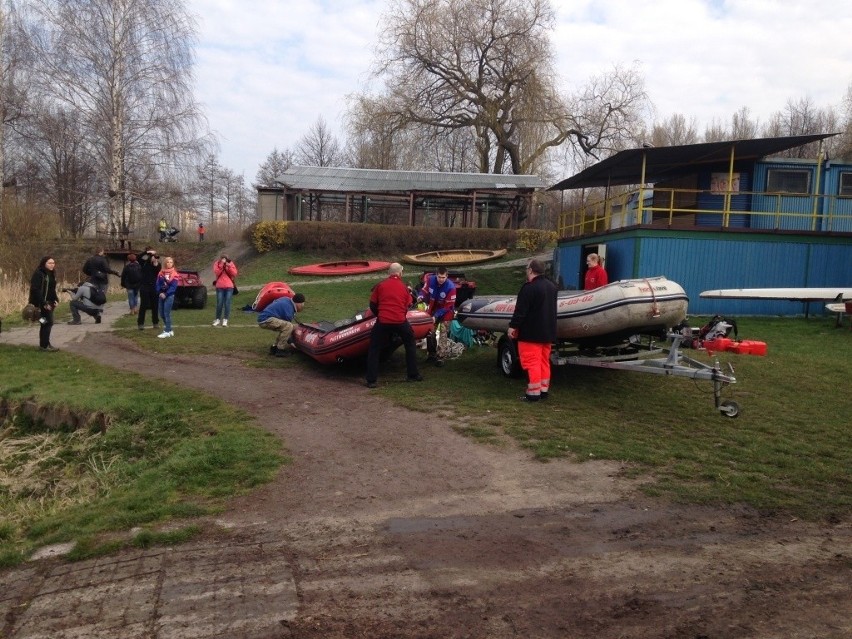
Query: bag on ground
point(31, 313)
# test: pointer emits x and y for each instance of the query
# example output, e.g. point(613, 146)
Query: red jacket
point(224, 274)
point(392, 298)
point(595, 278)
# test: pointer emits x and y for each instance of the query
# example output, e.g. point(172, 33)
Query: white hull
point(803, 294)
point(608, 314)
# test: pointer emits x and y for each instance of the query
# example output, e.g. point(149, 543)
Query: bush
point(534, 240)
point(268, 236)
point(347, 239)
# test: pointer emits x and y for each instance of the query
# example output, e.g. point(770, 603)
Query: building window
point(846, 184)
point(788, 181)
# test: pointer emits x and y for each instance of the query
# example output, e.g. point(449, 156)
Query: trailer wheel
point(507, 357)
point(729, 409)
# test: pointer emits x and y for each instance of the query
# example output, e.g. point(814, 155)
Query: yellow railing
point(679, 208)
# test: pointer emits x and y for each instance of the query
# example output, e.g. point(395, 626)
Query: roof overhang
point(659, 163)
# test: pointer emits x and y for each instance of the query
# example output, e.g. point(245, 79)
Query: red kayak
point(271, 292)
point(352, 267)
point(330, 342)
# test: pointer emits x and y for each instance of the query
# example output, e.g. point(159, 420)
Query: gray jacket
point(83, 295)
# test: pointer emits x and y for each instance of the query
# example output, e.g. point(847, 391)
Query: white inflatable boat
point(607, 315)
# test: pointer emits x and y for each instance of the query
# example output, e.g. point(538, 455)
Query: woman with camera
point(224, 272)
point(44, 297)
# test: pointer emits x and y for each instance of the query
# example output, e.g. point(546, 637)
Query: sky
point(267, 70)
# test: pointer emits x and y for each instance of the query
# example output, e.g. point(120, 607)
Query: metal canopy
point(625, 167)
point(342, 180)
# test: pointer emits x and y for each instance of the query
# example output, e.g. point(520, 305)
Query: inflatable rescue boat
point(604, 316)
point(337, 342)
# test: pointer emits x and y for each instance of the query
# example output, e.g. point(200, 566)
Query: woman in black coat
point(43, 296)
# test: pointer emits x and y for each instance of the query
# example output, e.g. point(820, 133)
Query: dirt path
point(393, 525)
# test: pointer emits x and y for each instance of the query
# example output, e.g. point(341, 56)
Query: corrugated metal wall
point(700, 261)
point(711, 202)
point(836, 205)
point(782, 204)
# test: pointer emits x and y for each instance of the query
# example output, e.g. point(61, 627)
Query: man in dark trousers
point(97, 269)
point(389, 302)
point(533, 325)
point(149, 263)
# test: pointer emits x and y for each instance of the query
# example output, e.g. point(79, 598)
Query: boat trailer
point(669, 360)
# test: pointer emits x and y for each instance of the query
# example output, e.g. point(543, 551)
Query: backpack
point(89, 268)
point(97, 296)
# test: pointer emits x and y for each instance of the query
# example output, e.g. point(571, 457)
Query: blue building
point(710, 216)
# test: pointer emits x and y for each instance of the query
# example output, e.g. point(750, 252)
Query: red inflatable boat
point(350, 267)
point(271, 292)
point(330, 342)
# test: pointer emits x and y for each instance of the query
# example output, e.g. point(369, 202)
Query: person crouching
point(81, 302)
point(279, 316)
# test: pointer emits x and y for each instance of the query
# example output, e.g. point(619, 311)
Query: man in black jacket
point(149, 263)
point(533, 325)
point(97, 269)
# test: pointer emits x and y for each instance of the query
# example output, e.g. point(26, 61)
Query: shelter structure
point(713, 215)
point(413, 198)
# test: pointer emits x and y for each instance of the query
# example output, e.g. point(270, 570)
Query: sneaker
point(49, 349)
point(529, 398)
point(224, 322)
point(415, 378)
point(75, 322)
point(98, 318)
point(273, 350)
point(372, 385)
point(216, 322)
point(140, 327)
point(544, 395)
point(164, 334)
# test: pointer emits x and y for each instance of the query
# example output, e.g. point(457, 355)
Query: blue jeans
point(223, 303)
point(165, 308)
point(133, 298)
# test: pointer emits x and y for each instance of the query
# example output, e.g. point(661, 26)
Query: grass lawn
point(156, 461)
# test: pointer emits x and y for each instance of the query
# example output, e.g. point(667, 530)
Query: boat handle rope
point(655, 309)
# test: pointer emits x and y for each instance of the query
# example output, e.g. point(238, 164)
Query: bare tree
point(742, 126)
point(209, 186)
point(674, 131)
point(486, 66)
point(319, 147)
point(12, 96)
point(802, 117)
point(234, 200)
point(126, 67)
point(59, 162)
point(273, 167)
point(844, 144)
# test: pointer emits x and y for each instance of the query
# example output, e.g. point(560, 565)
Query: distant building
point(397, 197)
